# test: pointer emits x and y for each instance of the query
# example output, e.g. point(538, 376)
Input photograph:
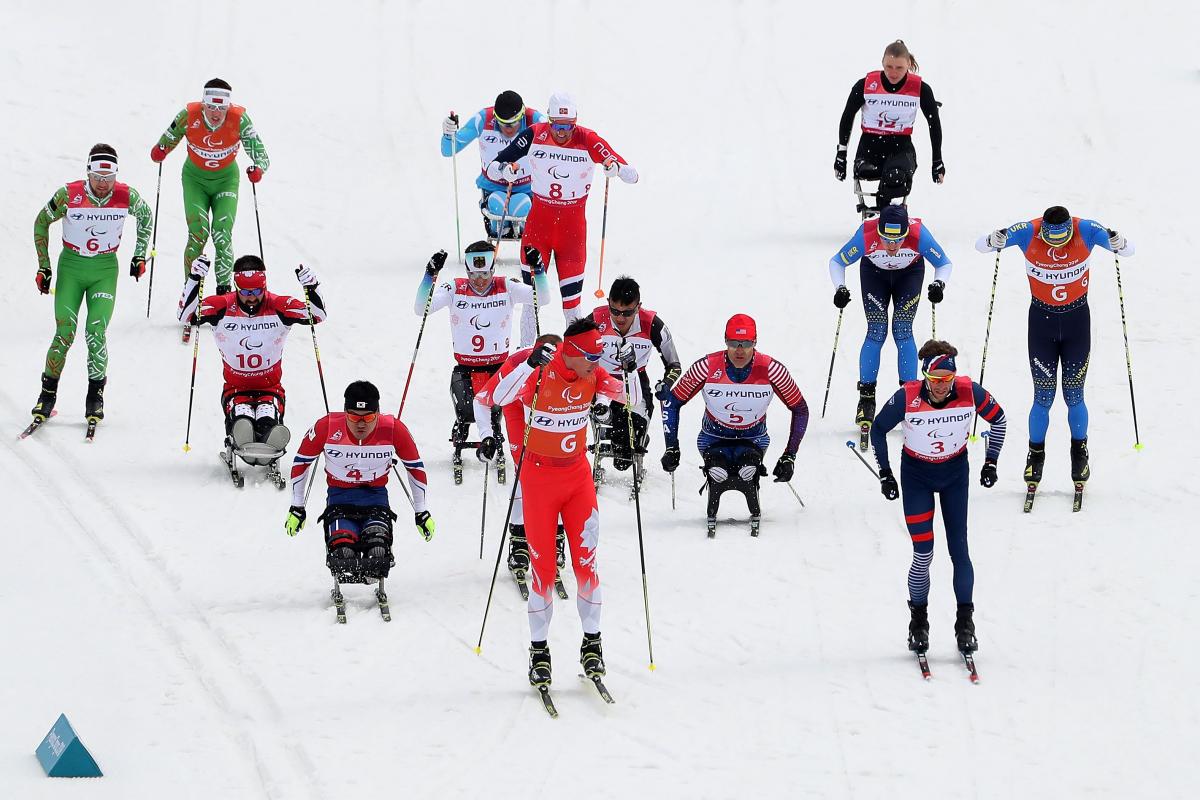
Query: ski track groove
point(215, 664)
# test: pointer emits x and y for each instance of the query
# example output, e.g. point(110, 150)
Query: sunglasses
point(592, 357)
point(103, 176)
point(940, 378)
point(617, 312)
point(562, 127)
point(508, 123)
point(740, 343)
point(250, 292)
point(371, 417)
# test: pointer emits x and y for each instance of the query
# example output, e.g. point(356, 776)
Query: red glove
point(137, 267)
point(254, 174)
point(158, 154)
point(42, 279)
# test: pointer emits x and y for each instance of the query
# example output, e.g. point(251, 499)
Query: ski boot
point(518, 558)
point(964, 629)
point(94, 404)
point(591, 656)
point(864, 415)
point(1035, 459)
point(539, 665)
point(377, 563)
point(752, 504)
point(560, 547)
point(1081, 471)
point(918, 627)
point(458, 435)
point(714, 505)
point(343, 563)
point(46, 400)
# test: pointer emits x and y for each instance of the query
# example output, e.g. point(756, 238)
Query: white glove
point(495, 171)
point(1116, 242)
point(611, 168)
point(307, 277)
point(628, 173)
point(626, 356)
point(997, 239)
point(200, 267)
point(449, 126)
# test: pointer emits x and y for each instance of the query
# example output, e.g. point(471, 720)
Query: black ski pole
point(987, 338)
point(863, 460)
point(312, 328)
point(187, 437)
point(483, 514)
point(154, 241)
point(1137, 440)
point(508, 515)
point(637, 505)
point(417, 346)
point(829, 380)
point(257, 222)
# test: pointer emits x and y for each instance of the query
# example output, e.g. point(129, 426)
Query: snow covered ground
point(192, 643)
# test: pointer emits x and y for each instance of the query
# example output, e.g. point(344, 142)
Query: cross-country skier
point(893, 249)
point(514, 423)
point(561, 157)
point(889, 99)
point(215, 129)
point(360, 445)
point(250, 326)
point(738, 384)
point(93, 213)
point(557, 385)
point(495, 127)
point(937, 413)
point(1057, 251)
point(481, 326)
point(630, 333)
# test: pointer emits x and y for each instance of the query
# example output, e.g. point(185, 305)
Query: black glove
point(663, 387)
point(841, 298)
point(43, 279)
point(888, 485)
point(936, 289)
point(137, 267)
point(487, 449)
point(987, 475)
point(784, 467)
point(436, 262)
point(839, 164)
point(533, 260)
point(541, 356)
point(939, 171)
point(670, 459)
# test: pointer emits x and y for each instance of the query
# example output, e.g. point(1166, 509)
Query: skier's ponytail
point(898, 49)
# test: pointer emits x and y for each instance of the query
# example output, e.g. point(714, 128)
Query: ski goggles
point(1056, 235)
point(480, 262)
point(740, 344)
point(948, 378)
point(513, 120)
point(250, 292)
point(592, 357)
point(562, 127)
point(622, 312)
point(369, 417)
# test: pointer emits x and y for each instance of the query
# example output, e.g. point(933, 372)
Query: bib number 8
point(556, 191)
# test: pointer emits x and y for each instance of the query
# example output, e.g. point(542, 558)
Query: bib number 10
point(252, 361)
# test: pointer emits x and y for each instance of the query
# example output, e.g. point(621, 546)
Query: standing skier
point(1057, 251)
point(215, 129)
point(561, 157)
point(936, 413)
point(893, 249)
point(629, 334)
point(93, 212)
point(556, 481)
point(889, 99)
point(738, 384)
point(495, 127)
point(514, 424)
point(481, 317)
point(360, 445)
point(250, 326)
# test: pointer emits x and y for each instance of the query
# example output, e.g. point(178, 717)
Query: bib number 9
point(477, 343)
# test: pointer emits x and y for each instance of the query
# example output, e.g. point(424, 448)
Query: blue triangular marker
point(63, 755)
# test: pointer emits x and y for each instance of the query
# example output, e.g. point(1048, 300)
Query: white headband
point(102, 163)
point(214, 96)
